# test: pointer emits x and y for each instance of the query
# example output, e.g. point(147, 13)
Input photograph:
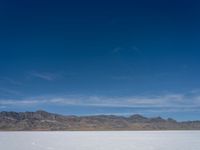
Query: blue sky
point(101, 57)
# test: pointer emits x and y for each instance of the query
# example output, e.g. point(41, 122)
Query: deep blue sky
point(94, 57)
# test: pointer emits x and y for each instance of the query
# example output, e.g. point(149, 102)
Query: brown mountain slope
point(44, 121)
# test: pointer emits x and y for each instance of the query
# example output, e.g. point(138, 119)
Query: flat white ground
point(111, 140)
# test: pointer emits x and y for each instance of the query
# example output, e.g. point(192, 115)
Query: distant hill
point(44, 121)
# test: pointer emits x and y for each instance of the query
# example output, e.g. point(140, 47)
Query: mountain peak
point(42, 120)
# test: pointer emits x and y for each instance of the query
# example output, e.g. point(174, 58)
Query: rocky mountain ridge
point(44, 121)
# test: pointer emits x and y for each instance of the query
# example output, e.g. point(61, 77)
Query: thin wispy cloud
point(11, 102)
point(117, 49)
point(9, 80)
point(9, 91)
point(48, 76)
point(122, 77)
point(134, 48)
point(3, 107)
point(168, 100)
point(128, 49)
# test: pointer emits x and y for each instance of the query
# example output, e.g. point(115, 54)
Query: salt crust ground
point(111, 140)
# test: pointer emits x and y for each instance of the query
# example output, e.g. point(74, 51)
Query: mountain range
point(45, 121)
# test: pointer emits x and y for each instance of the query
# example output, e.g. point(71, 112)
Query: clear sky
point(101, 57)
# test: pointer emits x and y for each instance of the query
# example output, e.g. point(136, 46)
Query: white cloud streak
point(8, 80)
point(168, 100)
point(9, 91)
point(45, 75)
